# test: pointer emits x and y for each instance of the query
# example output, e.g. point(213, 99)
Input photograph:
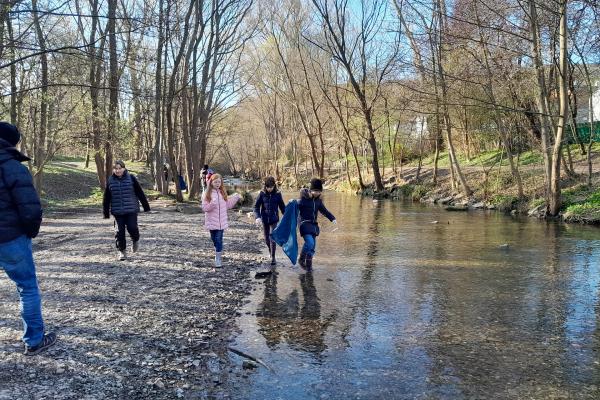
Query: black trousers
point(267, 230)
point(130, 222)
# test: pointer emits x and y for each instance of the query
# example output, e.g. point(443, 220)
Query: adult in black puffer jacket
point(266, 207)
point(122, 196)
point(309, 205)
point(20, 220)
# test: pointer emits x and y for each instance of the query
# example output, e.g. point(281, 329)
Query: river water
point(411, 301)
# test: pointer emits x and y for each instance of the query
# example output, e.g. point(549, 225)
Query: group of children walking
point(270, 201)
point(123, 194)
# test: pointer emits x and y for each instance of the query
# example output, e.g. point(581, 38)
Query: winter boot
point(302, 260)
point(273, 248)
point(136, 246)
point(308, 263)
point(218, 259)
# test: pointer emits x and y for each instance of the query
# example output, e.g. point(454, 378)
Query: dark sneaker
point(48, 340)
point(136, 246)
point(273, 262)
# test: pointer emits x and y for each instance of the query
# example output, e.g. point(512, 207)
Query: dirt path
point(155, 326)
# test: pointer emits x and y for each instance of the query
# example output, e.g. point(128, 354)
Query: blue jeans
point(217, 237)
point(16, 259)
point(310, 243)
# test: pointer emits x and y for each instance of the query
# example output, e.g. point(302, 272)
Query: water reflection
point(400, 307)
point(293, 320)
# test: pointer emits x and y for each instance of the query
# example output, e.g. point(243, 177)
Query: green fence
point(583, 130)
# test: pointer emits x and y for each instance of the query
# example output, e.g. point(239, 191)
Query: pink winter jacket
point(215, 212)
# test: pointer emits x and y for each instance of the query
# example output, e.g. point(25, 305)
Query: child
point(122, 196)
point(215, 205)
point(309, 205)
point(266, 208)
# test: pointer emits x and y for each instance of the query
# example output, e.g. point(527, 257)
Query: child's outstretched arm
point(231, 201)
point(326, 212)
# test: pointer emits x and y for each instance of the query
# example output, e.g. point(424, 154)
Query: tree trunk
point(554, 203)
point(40, 148)
point(114, 86)
point(542, 103)
point(159, 180)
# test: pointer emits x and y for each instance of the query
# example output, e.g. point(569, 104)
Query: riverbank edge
point(586, 208)
point(453, 201)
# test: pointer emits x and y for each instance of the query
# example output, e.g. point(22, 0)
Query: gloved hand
point(258, 221)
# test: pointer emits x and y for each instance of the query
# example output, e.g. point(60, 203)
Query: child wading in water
point(122, 197)
point(266, 208)
point(309, 205)
point(215, 204)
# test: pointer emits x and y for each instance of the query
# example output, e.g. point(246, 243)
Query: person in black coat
point(20, 220)
point(122, 196)
point(309, 205)
point(203, 173)
point(266, 210)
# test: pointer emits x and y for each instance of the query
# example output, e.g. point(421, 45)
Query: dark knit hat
point(269, 181)
point(316, 184)
point(10, 133)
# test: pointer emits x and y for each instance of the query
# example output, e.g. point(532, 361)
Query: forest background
point(497, 101)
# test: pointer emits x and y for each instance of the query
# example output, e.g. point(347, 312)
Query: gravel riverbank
point(154, 326)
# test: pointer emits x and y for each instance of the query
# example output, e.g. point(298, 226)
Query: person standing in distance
point(122, 198)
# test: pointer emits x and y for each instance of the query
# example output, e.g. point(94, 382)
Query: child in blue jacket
point(309, 205)
point(266, 210)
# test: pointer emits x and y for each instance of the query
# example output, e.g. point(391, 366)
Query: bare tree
point(366, 61)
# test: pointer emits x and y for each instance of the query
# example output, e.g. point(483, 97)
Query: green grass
point(582, 204)
point(486, 159)
point(504, 202)
point(67, 186)
point(536, 202)
point(62, 158)
point(351, 187)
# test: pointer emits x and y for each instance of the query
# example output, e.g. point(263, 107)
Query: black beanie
point(10, 133)
point(316, 184)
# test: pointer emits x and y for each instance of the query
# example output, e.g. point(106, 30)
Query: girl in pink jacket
point(215, 205)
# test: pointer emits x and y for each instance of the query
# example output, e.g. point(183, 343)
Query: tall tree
point(365, 59)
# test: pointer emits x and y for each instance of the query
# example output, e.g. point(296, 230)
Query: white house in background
point(413, 129)
point(583, 103)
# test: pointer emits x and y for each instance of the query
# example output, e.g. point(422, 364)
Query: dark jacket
point(20, 208)
point(203, 173)
point(122, 194)
point(266, 206)
point(308, 208)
